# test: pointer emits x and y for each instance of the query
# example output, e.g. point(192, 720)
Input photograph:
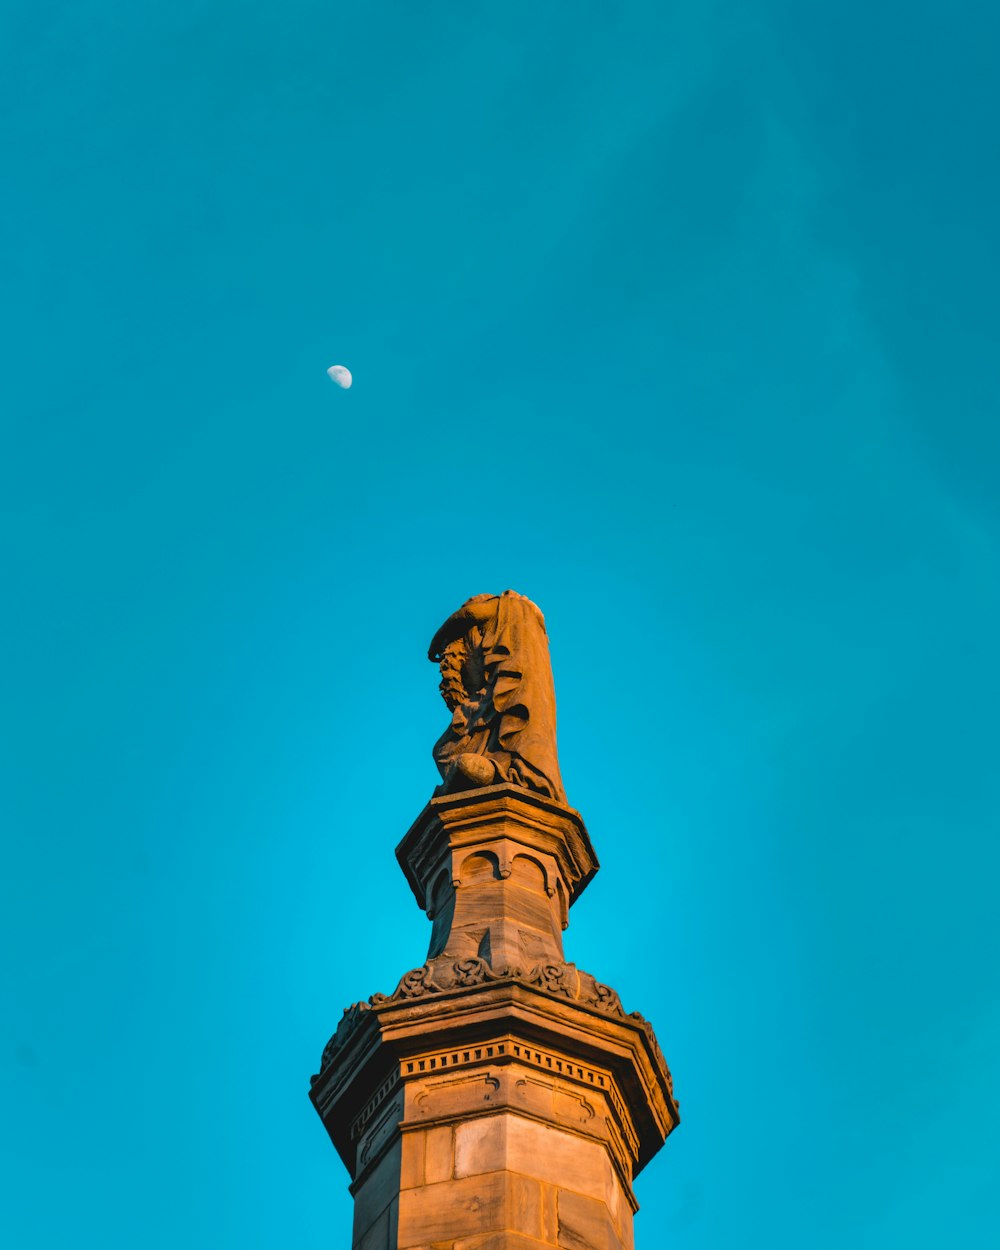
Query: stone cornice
point(452, 1007)
point(496, 814)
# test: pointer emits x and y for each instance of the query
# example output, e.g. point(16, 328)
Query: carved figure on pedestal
point(496, 677)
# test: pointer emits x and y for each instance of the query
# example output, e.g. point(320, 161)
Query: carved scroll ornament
point(439, 976)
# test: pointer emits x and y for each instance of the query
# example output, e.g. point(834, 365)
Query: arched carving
point(529, 872)
point(479, 867)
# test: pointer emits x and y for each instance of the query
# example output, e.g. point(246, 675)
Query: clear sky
point(680, 319)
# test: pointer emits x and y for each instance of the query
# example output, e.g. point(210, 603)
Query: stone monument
point(499, 1098)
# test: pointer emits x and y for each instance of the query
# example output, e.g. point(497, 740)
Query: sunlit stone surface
point(499, 1098)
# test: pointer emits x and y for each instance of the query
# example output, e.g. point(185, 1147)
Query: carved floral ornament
point(437, 977)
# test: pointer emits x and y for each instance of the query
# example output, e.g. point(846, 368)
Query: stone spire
point(499, 1098)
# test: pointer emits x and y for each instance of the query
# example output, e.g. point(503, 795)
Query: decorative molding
point(552, 978)
point(548, 1063)
point(381, 1130)
point(647, 1028)
point(507, 820)
point(350, 1021)
point(607, 1000)
point(583, 1111)
point(487, 1079)
point(438, 976)
point(361, 1120)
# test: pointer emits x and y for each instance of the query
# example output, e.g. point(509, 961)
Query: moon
point(341, 375)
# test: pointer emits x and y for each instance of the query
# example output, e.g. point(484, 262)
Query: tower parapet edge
point(500, 1097)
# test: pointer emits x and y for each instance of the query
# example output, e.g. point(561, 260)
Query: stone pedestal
point(499, 1098)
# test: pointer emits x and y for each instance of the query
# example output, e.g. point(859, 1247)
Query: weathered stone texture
point(496, 1176)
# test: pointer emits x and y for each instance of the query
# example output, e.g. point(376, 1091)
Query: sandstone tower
point(500, 1098)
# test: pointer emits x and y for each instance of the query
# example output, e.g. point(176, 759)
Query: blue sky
point(681, 320)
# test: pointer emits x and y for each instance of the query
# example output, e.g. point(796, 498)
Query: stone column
point(500, 1098)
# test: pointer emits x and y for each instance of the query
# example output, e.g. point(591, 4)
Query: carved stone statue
point(496, 678)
